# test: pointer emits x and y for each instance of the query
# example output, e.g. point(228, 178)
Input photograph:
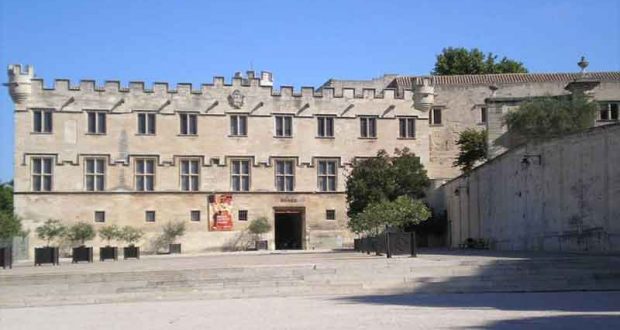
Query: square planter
point(131, 252)
point(262, 245)
point(46, 255)
point(82, 253)
point(6, 257)
point(174, 248)
point(108, 252)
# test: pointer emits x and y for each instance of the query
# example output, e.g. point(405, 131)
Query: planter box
point(6, 257)
point(108, 252)
point(46, 255)
point(131, 252)
point(262, 245)
point(357, 244)
point(82, 253)
point(174, 248)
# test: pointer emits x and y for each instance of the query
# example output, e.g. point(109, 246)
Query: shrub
point(130, 235)
point(109, 233)
point(81, 232)
point(51, 230)
point(259, 226)
point(172, 230)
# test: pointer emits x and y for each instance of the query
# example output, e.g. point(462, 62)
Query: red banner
point(221, 212)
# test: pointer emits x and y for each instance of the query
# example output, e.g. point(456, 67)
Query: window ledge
point(95, 134)
point(41, 133)
point(435, 125)
point(237, 136)
point(283, 137)
point(144, 134)
point(325, 137)
point(367, 138)
point(187, 135)
point(405, 138)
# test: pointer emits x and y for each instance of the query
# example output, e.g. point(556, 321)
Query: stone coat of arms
point(235, 99)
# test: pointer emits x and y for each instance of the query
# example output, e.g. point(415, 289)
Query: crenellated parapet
point(19, 84)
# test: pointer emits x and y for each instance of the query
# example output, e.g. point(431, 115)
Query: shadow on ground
point(562, 322)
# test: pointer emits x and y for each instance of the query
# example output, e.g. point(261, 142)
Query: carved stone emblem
point(236, 99)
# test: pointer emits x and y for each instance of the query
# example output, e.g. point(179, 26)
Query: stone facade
point(389, 100)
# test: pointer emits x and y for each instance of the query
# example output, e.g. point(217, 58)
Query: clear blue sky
point(301, 42)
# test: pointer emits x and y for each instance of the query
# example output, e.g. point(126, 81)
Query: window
point(285, 175)
point(190, 175)
point(240, 175)
point(145, 174)
point(327, 175)
point(194, 215)
point(330, 214)
point(95, 174)
point(42, 174)
point(99, 216)
point(368, 127)
point(149, 216)
point(189, 124)
point(325, 126)
point(146, 123)
point(435, 117)
point(96, 122)
point(483, 115)
point(284, 126)
point(609, 111)
point(42, 120)
point(238, 125)
point(406, 128)
point(243, 215)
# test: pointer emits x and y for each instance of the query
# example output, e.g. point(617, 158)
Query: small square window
point(150, 216)
point(330, 214)
point(195, 215)
point(99, 216)
point(243, 215)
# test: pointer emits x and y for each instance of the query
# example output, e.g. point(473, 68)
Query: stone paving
point(552, 310)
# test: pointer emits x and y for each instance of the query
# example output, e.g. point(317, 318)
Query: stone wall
point(557, 195)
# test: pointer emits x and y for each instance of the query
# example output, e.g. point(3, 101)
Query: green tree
point(259, 226)
point(81, 232)
point(50, 230)
point(385, 178)
point(454, 61)
point(6, 197)
point(10, 225)
point(551, 116)
point(401, 212)
point(109, 233)
point(472, 148)
point(130, 235)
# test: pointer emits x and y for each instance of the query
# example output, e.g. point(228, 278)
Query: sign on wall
point(221, 212)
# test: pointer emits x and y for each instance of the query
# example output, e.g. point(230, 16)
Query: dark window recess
point(150, 216)
point(189, 124)
point(483, 115)
point(406, 128)
point(284, 126)
point(435, 118)
point(325, 126)
point(243, 215)
point(238, 125)
point(96, 122)
point(195, 215)
point(330, 214)
point(368, 127)
point(285, 175)
point(42, 120)
point(99, 216)
point(146, 123)
point(240, 175)
point(42, 174)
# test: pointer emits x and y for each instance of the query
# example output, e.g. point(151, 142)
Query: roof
point(406, 82)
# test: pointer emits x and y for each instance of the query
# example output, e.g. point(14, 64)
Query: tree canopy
point(385, 178)
point(401, 212)
point(551, 116)
point(454, 61)
point(472, 148)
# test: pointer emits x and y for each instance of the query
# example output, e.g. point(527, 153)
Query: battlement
point(19, 84)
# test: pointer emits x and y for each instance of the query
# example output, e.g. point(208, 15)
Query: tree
point(81, 232)
point(401, 212)
point(259, 226)
point(385, 178)
point(472, 148)
point(130, 235)
point(172, 230)
point(50, 230)
point(109, 233)
point(10, 225)
point(6, 197)
point(454, 61)
point(551, 116)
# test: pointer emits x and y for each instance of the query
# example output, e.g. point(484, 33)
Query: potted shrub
point(130, 236)
point(171, 231)
point(10, 226)
point(258, 227)
point(108, 233)
point(81, 232)
point(49, 231)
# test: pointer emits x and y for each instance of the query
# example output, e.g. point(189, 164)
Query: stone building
point(222, 154)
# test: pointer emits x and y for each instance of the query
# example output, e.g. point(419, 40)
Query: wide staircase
point(329, 273)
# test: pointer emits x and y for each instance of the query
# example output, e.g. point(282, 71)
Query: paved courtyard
point(554, 310)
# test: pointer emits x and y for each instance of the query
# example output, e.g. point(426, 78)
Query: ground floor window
point(150, 216)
